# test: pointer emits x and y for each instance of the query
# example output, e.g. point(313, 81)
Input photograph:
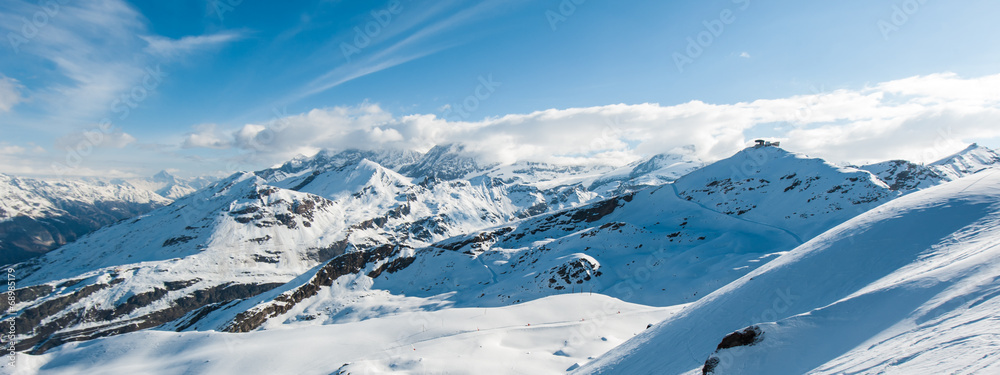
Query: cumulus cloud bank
point(920, 118)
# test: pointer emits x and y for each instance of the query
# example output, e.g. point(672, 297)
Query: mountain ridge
point(340, 238)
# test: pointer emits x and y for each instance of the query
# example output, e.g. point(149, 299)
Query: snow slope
point(909, 287)
point(905, 176)
point(657, 170)
point(537, 337)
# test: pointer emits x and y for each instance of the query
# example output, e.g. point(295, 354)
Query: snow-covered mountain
point(910, 287)
point(657, 170)
point(446, 162)
point(905, 176)
point(254, 231)
point(168, 185)
point(973, 159)
point(342, 243)
point(38, 215)
point(689, 246)
point(316, 244)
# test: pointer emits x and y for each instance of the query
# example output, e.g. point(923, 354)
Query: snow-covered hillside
point(256, 231)
point(910, 287)
point(657, 170)
point(537, 337)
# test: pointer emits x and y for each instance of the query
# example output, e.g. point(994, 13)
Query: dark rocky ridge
point(49, 335)
point(346, 264)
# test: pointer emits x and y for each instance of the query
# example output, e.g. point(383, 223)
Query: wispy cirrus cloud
point(173, 48)
point(89, 53)
point(83, 49)
point(74, 69)
point(386, 52)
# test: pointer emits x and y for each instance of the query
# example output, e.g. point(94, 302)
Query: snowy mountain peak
point(37, 215)
point(657, 170)
point(164, 176)
point(774, 186)
point(337, 160)
point(446, 162)
point(971, 160)
point(902, 175)
point(905, 176)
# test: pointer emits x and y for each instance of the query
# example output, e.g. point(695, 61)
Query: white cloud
point(919, 118)
point(95, 138)
point(205, 136)
point(745, 55)
point(172, 48)
point(8, 149)
point(10, 93)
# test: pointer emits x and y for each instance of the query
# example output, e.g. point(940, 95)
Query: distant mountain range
point(40, 215)
point(355, 235)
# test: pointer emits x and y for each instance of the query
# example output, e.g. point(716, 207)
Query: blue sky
point(213, 86)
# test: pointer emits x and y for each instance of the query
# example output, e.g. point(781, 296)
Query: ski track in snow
point(788, 232)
